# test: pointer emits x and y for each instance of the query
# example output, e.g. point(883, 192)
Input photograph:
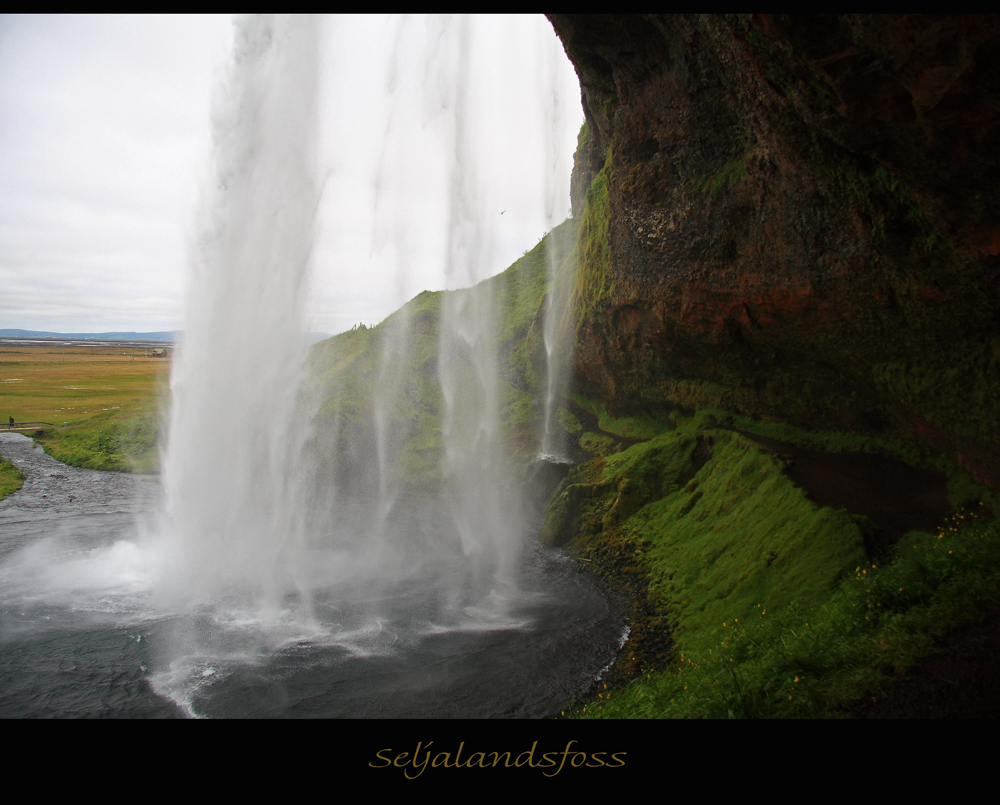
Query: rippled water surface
point(85, 633)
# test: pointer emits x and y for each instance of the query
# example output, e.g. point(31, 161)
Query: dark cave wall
point(794, 217)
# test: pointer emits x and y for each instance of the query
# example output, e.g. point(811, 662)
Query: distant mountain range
point(160, 336)
point(167, 335)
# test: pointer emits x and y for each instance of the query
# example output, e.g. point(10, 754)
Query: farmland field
point(102, 403)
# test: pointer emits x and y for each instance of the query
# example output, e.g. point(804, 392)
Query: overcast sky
point(105, 142)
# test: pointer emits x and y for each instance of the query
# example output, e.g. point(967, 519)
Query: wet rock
point(797, 219)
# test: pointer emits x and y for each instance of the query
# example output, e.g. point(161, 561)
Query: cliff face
point(794, 217)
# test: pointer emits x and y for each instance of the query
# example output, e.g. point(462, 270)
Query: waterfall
point(232, 461)
point(255, 510)
point(557, 326)
point(352, 550)
point(476, 475)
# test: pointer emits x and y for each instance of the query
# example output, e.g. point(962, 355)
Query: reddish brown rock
point(803, 219)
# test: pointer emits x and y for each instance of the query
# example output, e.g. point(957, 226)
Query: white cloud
point(104, 143)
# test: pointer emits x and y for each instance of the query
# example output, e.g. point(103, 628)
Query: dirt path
point(895, 496)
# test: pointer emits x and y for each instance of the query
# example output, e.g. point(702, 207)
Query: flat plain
point(101, 403)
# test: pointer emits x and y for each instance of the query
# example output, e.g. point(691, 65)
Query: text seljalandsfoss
point(425, 756)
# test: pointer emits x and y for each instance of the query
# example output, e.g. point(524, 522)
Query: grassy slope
point(775, 609)
point(389, 372)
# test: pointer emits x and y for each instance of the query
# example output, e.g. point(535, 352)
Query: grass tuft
point(11, 478)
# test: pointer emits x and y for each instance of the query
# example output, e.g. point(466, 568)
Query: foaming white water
point(234, 510)
point(107, 579)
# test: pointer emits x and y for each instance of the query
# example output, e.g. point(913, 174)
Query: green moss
point(598, 444)
point(698, 394)
point(636, 426)
point(11, 478)
point(568, 422)
point(664, 461)
point(731, 173)
point(766, 541)
point(816, 660)
point(594, 281)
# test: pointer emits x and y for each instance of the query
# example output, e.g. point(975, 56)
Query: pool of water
point(86, 630)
